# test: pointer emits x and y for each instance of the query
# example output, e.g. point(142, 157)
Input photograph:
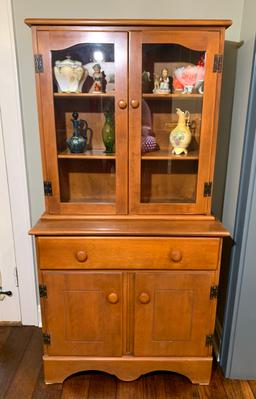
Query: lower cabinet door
point(83, 313)
point(173, 313)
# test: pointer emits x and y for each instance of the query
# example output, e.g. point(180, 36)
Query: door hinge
point(209, 340)
point(47, 188)
point(214, 291)
point(46, 339)
point(42, 291)
point(39, 65)
point(208, 189)
point(218, 63)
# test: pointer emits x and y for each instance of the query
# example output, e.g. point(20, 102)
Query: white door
point(9, 305)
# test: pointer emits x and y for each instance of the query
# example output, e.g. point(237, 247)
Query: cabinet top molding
point(129, 22)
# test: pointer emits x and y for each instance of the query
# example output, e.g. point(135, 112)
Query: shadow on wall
point(224, 128)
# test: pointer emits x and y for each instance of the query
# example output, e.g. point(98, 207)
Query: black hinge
point(46, 339)
point(214, 291)
point(209, 340)
point(39, 65)
point(218, 63)
point(42, 291)
point(47, 188)
point(208, 189)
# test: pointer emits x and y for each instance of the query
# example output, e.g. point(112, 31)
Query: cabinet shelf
point(92, 154)
point(167, 154)
point(77, 95)
point(178, 96)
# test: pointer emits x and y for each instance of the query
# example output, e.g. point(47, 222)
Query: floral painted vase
point(180, 136)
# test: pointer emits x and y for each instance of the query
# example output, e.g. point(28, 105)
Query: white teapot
point(70, 75)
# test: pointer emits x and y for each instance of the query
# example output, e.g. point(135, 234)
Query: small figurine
point(180, 136)
point(162, 83)
point(97, 77)
point(156, 83)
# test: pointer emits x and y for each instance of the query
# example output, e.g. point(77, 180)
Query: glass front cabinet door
point(83, 97)
point(128, 120)
point(172, 120)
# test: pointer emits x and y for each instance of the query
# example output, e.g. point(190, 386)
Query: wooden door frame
point(16, 170)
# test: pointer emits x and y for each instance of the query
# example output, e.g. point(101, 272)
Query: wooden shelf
point(167, 154)
point(178, 96)
point(92, 154)
point(97, 95)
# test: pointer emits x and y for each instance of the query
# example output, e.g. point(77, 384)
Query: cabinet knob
point(135, 103)
point(81, 256)
point(176, 255)
point(122, 104)
point(112, 297)
point(144, 298)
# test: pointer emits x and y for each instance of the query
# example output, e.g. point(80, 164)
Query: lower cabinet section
point(104, 313)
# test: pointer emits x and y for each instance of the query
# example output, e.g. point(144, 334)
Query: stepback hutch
point(128, 252)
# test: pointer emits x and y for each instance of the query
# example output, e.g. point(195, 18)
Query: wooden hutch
point(128, 252)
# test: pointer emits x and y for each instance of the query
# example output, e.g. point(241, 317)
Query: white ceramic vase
point(70, 75)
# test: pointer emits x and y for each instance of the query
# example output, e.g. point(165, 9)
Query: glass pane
point(172, 101)
point(84, 102)
point(87, 180)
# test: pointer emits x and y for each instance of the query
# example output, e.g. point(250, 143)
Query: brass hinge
point(214, 291)
point(218, 63)
point(47, 188)
point(42, 291)
point(39, 65)
point(208, 189)
point(46, 339)
point(209, 340)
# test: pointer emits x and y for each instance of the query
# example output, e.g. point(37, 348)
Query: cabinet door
point(82, 91)
point(173, 313)
point(173, 70)
point(83, 313)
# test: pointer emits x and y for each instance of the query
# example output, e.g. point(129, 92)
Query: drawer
point(127, 253)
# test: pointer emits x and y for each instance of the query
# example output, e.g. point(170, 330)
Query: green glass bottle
point(108, 133)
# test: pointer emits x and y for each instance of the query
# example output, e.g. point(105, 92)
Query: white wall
point(219, 9)
point(244, 66)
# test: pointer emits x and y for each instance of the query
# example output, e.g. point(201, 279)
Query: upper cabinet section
point(128, 114)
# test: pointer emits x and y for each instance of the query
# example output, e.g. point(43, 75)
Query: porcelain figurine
point(163, 87)
point(180, 136)
point(99, 79)
point(70, 75)
point(77, 142)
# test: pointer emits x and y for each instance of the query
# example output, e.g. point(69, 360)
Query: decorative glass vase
point(77, 142)
point(108, 133)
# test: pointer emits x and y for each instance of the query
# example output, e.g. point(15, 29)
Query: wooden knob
point(176, 255)
point(113, 297)
point(81, 256)
point(144, 298)
point(122, 104)
point(135, 103)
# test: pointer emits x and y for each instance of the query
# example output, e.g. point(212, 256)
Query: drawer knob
point(135, 103)
point(81, 256)
point(144, 298)
point(122, 104)
point(176, 256)
point(112, 297)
